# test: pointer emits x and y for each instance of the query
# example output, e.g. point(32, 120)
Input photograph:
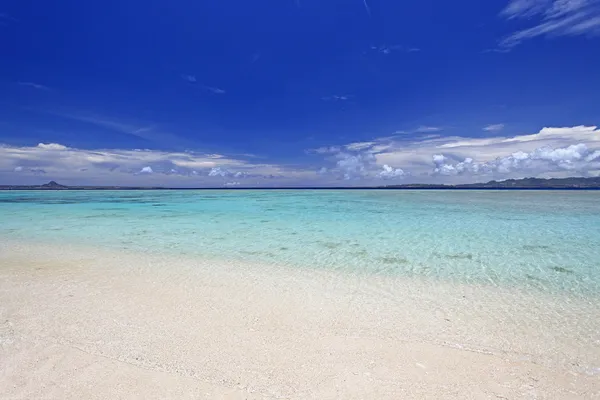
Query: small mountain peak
point(53, 184)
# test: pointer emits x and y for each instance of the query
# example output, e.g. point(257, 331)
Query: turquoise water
point(543, 240)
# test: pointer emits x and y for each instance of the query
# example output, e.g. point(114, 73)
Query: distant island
point(525, 183)
point(514, 184)
point(52, 185)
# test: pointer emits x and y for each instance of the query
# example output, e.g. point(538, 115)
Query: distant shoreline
point(92, 189)
point(510, 184)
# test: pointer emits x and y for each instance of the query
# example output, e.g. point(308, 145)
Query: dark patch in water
point(159, 205)
point(533, 278)
point(510, 219)
point(466, 256)
point(535, 247)
point(562, 269)
point(284, 248)
point(264, 221)
point(330, 245)
point(104, 216)
point(393, 260)
point(257, 253)
point(457, 256)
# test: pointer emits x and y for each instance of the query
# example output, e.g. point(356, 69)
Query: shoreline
point(179, 328)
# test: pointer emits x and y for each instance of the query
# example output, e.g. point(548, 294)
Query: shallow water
point(537, 240)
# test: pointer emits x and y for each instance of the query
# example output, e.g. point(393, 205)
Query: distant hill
point(526, 183)
point(56, 186)
point(47, 186)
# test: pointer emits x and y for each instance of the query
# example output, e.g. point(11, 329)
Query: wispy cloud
point(427, 129)
point(367, 7)
point(33, 85)
point(192, 79)
point(552, 18)
point(422, 130)
point(149, 132)
point(189, 78)
point(143, 132)
point(337, 97)
point(388, 49)
point(494, 128)
point(214, 90)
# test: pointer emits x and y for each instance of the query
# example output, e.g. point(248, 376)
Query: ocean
point(536, 240)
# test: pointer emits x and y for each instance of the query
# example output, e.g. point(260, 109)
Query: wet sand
point(88, 323)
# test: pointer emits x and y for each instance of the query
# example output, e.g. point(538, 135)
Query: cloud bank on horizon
point(552, 152)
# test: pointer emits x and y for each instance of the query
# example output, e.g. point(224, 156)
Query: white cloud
point(218, 171)
point(553, 18)
point(438, 159)
point(51, 146)
point(559, 151)
point(146, 170)
point(494, 128)
point(574, 158)
point(230, 184)
point(593, 156)
point(388, 172)
point(353, 166)
point(33, 85)
point(18, 169)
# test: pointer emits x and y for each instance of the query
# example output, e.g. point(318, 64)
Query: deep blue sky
point(275, 79)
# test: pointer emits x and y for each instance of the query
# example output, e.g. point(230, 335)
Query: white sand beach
point(85, 323)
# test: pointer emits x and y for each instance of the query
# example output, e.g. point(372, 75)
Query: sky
point(231, 93)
